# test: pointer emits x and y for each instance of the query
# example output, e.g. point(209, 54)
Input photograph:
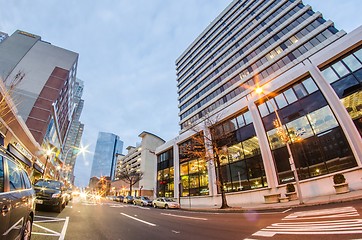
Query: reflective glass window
point(322, 120)
point(299, 129)
point(15, 177)
point(330, 75)
point(280, 100)
point(352, 63)
point(251, 147)
point(240, 121)
point(310, 85)
point(263, 109)
point(235, 152)
point(300, 90)
point(247, 117)
point(290, 96)
point(358, 54)
point(340, 69)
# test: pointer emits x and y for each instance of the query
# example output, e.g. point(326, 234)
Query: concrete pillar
point(345, 121)
point(268, 161)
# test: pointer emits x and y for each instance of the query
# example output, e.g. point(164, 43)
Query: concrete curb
point(324, 200)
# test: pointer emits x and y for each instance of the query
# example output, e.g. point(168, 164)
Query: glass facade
point(241, 163)
point(193, 168)
point(208, 79)
point(105, 155)
point(317, 142)
point(345, 77)
point(165, 174)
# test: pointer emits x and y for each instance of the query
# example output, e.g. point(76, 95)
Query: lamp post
point(48, 153)
point(286, 137)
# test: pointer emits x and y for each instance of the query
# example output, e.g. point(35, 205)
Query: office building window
point(317, 141)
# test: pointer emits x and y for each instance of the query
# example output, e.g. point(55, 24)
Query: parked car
point(51, 193)
point(16, 199)
point(119, 198)
point(164, 202)
point(142, 201)
point(128, 199)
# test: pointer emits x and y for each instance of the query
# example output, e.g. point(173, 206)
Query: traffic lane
point(180, 224)
point(95, 221)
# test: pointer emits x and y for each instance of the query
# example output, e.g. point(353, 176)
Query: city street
point(112, 220)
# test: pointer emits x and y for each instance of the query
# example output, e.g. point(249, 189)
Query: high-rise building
point(141, 158)
point(73, 141)
point(310, 74)
point(105, 155)
point(42, 77)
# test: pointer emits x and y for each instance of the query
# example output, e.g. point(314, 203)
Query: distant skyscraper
point(105, 156)
point(44, 96)
point(75, 132)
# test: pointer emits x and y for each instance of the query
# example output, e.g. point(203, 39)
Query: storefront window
point(317, 142)
point(242, 166)
point(165, 174)
point(322, 120)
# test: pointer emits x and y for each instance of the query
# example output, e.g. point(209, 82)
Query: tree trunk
point(224, 203)
point(130, 188)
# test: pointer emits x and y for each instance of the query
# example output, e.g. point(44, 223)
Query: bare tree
point(207, 146)
point(130, 176)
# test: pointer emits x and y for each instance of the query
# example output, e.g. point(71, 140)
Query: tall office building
point(311, 76)
point(43, 96)
point(72, 143)
point(105, 156)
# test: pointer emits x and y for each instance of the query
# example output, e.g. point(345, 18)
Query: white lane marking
point(180, 216)
point(175, 231)
point(137, 219)
point(48, 231)
point(326, 213)
point(328, 227)
point(64, 230)
point(16, 225)
point(287, 210)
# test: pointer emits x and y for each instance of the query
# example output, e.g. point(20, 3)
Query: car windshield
point(48, 184)
point(146, 198)
point(169, 200)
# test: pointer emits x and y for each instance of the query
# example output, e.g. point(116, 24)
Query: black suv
point(16, 199)
point(51, 193)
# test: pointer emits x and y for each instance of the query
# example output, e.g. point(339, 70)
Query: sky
point(127, 52)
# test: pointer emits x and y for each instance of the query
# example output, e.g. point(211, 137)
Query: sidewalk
point(334, 198)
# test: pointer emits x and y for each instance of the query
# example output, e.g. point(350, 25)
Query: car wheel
point(154, 205)
point(142, 204)
point(134, 203)
point(166, 206)
point(26, 235)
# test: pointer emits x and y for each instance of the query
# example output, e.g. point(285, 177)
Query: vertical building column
point(268, 161)
point(345, 121)
point(176, 167)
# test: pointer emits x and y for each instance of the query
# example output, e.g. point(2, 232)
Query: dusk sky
point(127, 52)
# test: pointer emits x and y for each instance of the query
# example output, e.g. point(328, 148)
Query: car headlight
point(56, 195)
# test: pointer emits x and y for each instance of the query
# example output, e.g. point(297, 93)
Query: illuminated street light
point(48, 153)
point(285, 137)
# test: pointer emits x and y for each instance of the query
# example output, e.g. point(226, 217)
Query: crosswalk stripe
point(328, 227)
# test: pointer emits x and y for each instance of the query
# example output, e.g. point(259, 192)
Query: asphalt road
point(111, 220)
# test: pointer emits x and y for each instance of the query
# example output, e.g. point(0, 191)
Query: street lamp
point(80, 150)
point(286, 137)
point(48, 153)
